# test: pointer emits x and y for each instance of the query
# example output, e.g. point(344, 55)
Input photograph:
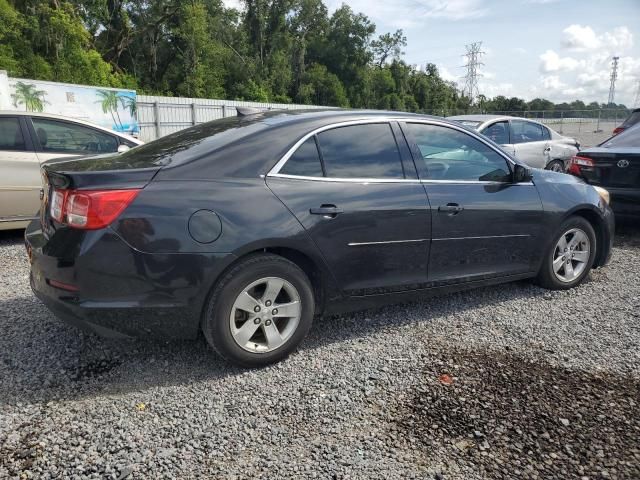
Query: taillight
point(577, 163)
point(90, 209)
point(618, 130)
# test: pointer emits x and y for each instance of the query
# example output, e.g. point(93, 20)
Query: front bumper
point(121, 292)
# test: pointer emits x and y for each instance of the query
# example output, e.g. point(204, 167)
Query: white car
point(531, 142)
point(28, 139)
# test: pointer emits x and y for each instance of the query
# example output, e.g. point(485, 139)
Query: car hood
point(547, 176)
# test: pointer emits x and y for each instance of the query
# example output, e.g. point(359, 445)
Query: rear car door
point(483, 224)
point(19, 171)
point(355, 190)
point(59, 138)
point(530, 144)
point(499, 132)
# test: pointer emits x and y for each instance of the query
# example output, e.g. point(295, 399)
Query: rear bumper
point(121, 292)
point(625, 202)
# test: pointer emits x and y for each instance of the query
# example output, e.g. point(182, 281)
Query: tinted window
point(498, 132)
point(632, 119)
point(449, 154)
point(628, 138)
point(546, 135)
point(57, 136)
point(361, 151)
point(305, 161)
point(523, 132)
point(11, 134)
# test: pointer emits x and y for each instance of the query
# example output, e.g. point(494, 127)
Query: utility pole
point(614, 77)
point(473, 62)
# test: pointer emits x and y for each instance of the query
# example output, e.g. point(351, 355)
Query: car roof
point(55, 116)
point(480, 117)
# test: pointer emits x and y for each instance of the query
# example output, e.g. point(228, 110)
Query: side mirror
point(123, 148)
point(521, 174)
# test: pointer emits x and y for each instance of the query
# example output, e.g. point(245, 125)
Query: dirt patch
point(507, 417)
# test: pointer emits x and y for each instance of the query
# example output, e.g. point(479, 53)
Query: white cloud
point(584, 38)
point(447, 75)
point(552, 82)
point(552, 62)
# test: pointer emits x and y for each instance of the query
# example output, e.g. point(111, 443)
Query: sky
point(555, 49)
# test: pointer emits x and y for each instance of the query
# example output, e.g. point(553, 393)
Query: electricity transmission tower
point(636, 102)
point(473, 62)
point(614, 77)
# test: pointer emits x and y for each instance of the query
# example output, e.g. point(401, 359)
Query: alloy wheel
point(571, 255)
point(265, 315)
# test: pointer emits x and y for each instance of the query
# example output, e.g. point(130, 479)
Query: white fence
point(159, 116)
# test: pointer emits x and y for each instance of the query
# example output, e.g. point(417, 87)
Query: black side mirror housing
point(521, 174)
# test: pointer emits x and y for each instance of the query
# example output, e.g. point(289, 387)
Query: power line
point(473, 62)
point(614, 77)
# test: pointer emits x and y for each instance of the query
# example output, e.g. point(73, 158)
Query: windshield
point(628, 138)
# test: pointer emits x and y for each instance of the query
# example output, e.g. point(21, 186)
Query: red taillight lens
point(90, 209)
point(577, 163)
point(617, 130)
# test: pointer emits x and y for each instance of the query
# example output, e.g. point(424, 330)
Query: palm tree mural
point(128, 102)
point(26, 94)
point(108, 100)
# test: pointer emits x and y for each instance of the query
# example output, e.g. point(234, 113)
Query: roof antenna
point(244, 111)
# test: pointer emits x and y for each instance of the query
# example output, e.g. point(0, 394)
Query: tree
point(26, 94)
point(388, 45)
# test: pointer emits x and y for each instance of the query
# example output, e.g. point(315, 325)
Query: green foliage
point(270, 51)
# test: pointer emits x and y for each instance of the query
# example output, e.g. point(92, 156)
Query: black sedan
point(614, 165)
point(247, 228)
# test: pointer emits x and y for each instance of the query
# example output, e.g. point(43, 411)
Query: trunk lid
point(611, 168)
point(103, 172)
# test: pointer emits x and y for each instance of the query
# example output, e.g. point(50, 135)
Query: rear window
point(631, 119)
point(628, 138)
point(190, 143)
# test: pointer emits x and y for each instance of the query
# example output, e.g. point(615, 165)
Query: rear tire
point(570, 257)
point(555, 166)
point(259, 311)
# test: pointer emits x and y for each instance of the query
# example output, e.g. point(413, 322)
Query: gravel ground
point(504, 382)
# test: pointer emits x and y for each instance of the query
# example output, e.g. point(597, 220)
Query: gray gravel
point(556, 373)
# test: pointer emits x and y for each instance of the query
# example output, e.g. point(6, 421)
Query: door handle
point(451, 208)
point(326, 210)
point(547, 150)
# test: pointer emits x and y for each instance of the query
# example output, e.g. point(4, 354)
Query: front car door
point(530, 143)
point(355, 190)
point(20, 180)
point(483, 225)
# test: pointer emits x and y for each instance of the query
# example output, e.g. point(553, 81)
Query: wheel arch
point(598, 224)
point(313, 268)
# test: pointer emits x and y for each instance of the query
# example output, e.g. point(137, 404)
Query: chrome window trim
point(274, 172)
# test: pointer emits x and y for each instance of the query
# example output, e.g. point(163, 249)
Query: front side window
point(498, 132)
point(11, 134)
point(305, 161)
point(524, 132)
point(361, 151)
point(58, 136)
point(452, 155)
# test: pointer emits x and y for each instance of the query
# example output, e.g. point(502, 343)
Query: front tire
point(570, 257)
point(259, 311)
